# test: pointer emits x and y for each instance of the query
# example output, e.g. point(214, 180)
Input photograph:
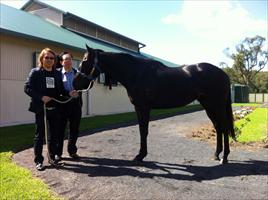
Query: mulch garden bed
point(208, 133)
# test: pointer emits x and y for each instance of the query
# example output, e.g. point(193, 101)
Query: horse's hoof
point(223, 161)
point(138, 159)
point(138, 163)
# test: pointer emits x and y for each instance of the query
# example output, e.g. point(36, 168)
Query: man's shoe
point(55, 163)
point(58, 158)
point(74, 156)
point(39, 166)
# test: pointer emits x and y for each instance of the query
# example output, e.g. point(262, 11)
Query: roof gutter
point(112, 45)
point(22, 35)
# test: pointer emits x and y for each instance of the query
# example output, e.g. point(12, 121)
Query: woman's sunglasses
point(50, 58)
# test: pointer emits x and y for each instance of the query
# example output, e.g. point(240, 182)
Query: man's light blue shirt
point(67, 78)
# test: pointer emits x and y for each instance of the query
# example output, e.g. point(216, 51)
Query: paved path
point(176, 167)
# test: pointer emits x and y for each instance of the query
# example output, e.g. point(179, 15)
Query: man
point(70, 112)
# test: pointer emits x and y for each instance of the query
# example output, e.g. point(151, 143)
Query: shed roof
point(70, 15)
point(31, 2)
point(23, 24)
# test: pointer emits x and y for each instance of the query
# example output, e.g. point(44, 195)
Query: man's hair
point(64, 53)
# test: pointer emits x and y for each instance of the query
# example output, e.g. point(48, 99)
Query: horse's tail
point(230, 118)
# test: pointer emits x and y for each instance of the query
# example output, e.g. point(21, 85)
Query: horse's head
point(89, 69)
point(57, 63)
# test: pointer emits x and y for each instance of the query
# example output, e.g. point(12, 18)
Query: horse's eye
point(85, 59)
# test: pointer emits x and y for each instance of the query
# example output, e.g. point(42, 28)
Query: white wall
point(105, 101)
point(14, 103)
point(258, 97)
point(16, 63)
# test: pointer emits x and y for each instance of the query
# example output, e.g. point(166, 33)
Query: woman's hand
point(46, 99)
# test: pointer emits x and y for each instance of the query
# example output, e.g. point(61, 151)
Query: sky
point(182, 32)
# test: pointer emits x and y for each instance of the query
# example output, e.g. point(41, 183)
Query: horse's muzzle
point(80, 81)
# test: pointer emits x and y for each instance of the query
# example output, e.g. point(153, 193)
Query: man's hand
point(73, 93)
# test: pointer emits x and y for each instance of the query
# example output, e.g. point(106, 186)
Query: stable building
point(25, 32)
point(80, 26)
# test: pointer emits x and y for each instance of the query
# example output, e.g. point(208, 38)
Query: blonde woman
point(43, 84)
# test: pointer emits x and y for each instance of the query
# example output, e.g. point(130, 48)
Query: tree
point(233, 74)
point(249, 59)
point(261, 82)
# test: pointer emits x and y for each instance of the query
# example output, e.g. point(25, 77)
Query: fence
point(258, 97)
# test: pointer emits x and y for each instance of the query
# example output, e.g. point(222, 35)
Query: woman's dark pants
point(53, 133)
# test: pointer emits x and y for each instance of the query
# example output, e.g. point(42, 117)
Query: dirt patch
point(208, 133)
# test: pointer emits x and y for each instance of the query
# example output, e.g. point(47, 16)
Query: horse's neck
point(120, 68)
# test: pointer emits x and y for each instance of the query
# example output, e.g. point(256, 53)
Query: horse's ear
point(88, 48)
point(57, 63)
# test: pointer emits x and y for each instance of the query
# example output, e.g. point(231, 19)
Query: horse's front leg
point(143, 115)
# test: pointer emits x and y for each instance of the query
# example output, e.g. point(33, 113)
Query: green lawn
point(18, 183)
point(254, 126)
point(247, 104)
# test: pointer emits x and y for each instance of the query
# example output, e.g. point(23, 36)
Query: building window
point(35, 59)
point(101, 78)
point(106, 80)
point(76, 63)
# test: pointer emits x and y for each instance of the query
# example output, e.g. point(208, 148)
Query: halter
point(95, 67)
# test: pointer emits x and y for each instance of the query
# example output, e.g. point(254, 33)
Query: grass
point(253, 127)
point(18, 183)
point(247, 104)
point(106, 120)
point(16, 138)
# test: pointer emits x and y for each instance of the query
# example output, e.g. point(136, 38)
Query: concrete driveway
point(176, 167)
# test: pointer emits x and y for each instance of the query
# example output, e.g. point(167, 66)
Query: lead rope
point(45, 115)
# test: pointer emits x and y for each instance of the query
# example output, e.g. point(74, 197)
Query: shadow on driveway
point(105, 167)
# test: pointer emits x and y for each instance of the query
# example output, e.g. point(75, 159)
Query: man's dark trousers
point(70, 112)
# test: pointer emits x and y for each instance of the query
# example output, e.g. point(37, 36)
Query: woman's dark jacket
point(35, 87)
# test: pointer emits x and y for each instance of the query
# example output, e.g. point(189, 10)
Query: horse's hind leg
point(222, 129)
point(218, 143)
point(143, 115)
point(218, 119)
point(213, 115)
point(226, 152)
point(216, 124)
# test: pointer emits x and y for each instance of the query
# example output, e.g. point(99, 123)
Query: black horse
point(150, 84)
